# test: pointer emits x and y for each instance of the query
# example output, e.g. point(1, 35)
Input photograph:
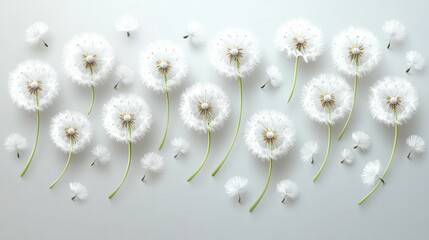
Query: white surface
point(166, 206)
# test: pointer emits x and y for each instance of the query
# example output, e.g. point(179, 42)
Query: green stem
point(329, 146)
point(240, 85)
point(37, 138)
point(128, 164)
point(167, 99)
point(65, 168)
point(295, 74)
point(207, 151)
point(353, 103)
point(388, 165)
point(266, 184)
point(92, 99)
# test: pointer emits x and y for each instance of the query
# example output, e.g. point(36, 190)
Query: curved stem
point(329, 146)
point(240, 86)
point(128, 164)
point(92, 99)
point(65, 168)
point(381, 180)
point(167, 99)
point(295, 74)
point(207, 151)
point(353, 102)
point(30, 159)
point(253, 206)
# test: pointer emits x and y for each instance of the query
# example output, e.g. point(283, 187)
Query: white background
point(166, 206)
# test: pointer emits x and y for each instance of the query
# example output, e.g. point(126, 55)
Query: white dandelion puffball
point(101, 154)
point(300, 38)
point(163, 59)
point(347, 156)
point(356, 45)
point(370, 172)
point(416, 143)
point(362, 141)
point(390, 95)
point(287, 189)
point(395, 30)
point(414, 60)
point(308, 151)
point(123, 74)
point(71, 131)
point(180, 145)
point(269, 127)
point(123, 111)
point(78, 191)
point(195, 33)
point(127, 23)
point(36, 32)
point(15, 142)
point(152, 162)
point(275, 77)
point(326, 93)
point(233, 47)
point(30, 79)
point(88, 59)
point(235, 186)
point(204, 102)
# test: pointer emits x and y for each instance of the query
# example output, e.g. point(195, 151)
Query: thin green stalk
point(92, 92)
point(240, 86)
point(207, 151)
point(353, 103)
point(295, 74)
point(128, 164)
point(37, 137)
point(388, 165)
point(253, 206)
point(329, 146)
point(65, 168)
point(167, 99)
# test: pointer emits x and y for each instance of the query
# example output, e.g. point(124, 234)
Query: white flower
point(269, 128)
point(127, 23)
point(308, 151)
point(163, 66)
point(395, 30)
point(101, 154)
point(347, 156)
point(390, 95)
point(416, 143)
point(371, 173)
point(356, 46)
point(180, 145)
point(152, 162)
point(124, 113)
point(123, 74)
point(204, 102)
point(33, 82)
point(275, 77)
point(71, 131)
point(36, 32)
point(235, 186)
point(324, 94)
point(78, 191)
point(15, 142)
point(362, 140)
point(232, 48)
point(196, 33)
point(300, 38)
point(88, 59)
point(414, 60)
point(288, 190)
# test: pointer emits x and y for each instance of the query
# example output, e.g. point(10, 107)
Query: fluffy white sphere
point(29, 78)
point(201, 99)
point(88, 59)
point(269, 126)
